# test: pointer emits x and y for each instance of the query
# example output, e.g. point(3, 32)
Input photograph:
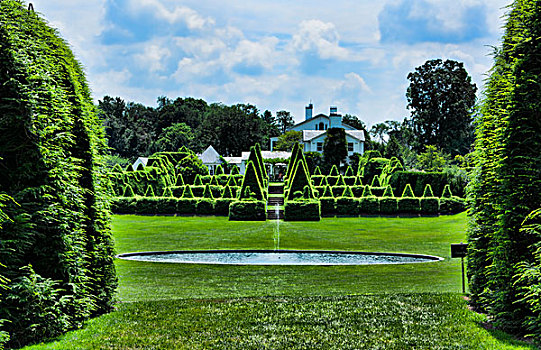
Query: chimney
point(308, 111)
point(335, 118)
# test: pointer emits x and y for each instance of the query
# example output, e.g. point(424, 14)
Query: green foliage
point(430, 205)
point(251, 183)
point(441, 97)
point(52, 158)
point(369, 205)
point(207, 193)
point(235, 170)
point(347, 206)
point(419, 180)
point(219, 170)
point(221, 206)
point(428, 191)
point(409, 205)
point(299, 180)
point(197, 181)
point(247, 210)
point(226, 193)
point(349, 171)
point(179, 180)
point(447, 192)
point(317, 171)
point(388, 205)
point(375, 181)
point(288, 140)
point(187, 193)
point(328, 206)
point(388, 191)
point(167, 192)
point(334, 171)
point(189, 167)
point(373, 167)
point(432, 159)
point(305, 210)
point(204, 206)
point(128, 191)
point(408, 192)
point(327, 192)
point(335, 147)
point(367, 192)
point(452, 205)
point(347, 192)
point(149, 191)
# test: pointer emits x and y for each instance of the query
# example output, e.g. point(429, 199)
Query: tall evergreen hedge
point(506, 183)
point(51, 144)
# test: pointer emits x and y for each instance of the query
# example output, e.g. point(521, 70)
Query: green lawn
point(170, 306)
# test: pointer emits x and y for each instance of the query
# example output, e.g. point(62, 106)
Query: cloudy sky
point(276, 54)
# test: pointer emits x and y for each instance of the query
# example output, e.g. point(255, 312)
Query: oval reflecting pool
point(280, 257)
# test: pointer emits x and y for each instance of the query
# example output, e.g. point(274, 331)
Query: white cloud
point(321, 37)
point(172, 13)
point(153, 56)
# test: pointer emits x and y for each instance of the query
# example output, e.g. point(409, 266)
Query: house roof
point(210, 156)
point(357, 134)
point(308, 135)
point(307, 120)
point(140, 160)
point(268, 155)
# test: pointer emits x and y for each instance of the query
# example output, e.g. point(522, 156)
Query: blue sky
point(275, 54)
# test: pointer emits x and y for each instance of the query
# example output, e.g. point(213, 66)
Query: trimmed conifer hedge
point(248, 210)
point(52, 143)
point(303, 210)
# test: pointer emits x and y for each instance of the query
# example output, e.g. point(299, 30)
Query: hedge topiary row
point(390, 205)
point(248, 210)
point(171, 205)
point(304, 210)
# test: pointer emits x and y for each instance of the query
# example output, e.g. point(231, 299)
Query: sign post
point(460, 250)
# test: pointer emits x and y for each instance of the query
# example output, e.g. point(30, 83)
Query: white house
point(314, 131)
point(211, 158)
point(140, 160)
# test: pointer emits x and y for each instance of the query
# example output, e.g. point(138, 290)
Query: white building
point(314, 131)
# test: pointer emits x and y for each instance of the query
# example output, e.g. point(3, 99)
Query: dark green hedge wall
point(51, 144)
point(247, 210)
point(306, 210)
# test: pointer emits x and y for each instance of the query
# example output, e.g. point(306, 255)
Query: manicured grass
point(397, 321)
point(175, 306)
point(428, 235)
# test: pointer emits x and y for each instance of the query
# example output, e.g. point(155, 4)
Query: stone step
point(271, 214)
point(275, 200)
point(276, 189)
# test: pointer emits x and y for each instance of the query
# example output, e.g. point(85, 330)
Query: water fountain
point(276, 235)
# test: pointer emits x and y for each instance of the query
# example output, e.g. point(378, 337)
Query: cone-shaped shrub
point(214, 181)
point(235, 170)
point(128, 191)
point(327, 192)
point(117, 168)
point(128, 168)
point(292, 161)
point(447, 192)
point(219, 170)
point(187, 193)
point(375, 181)
point(149, 191)
point(367, 192)
point(340, 181)
point(317, 171)
point(231, 181)
point(388, 191)
point(257, 164)
point(334, 171)
point(197, 181)
point(428, 191)
point(408, 192)
point(207, 193)
point(358, 181)
point(226, 193)
point(307, 192)
point(167, 192)
point(348, 192)
point(299, 180)
point(349, 171)
point(179, 181)
point(252, 181)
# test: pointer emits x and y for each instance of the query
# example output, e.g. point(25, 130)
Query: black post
point(463, 281)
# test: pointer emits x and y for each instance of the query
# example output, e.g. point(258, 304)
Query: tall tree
point(285, 120)
point(335, 148)
point(441, 97)
point(506, 181)
point(287, 140)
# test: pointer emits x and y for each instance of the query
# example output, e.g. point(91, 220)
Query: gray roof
point(268, 155)
point(308, 135)
point(210, 156)
point(358, 134)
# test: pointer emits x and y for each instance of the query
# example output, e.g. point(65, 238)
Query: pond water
point(280, 257)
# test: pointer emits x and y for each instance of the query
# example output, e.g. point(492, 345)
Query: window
point(321, 126)
point(320, 146)
point(350, 146)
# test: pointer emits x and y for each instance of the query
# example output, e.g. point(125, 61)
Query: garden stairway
point(275, 197)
